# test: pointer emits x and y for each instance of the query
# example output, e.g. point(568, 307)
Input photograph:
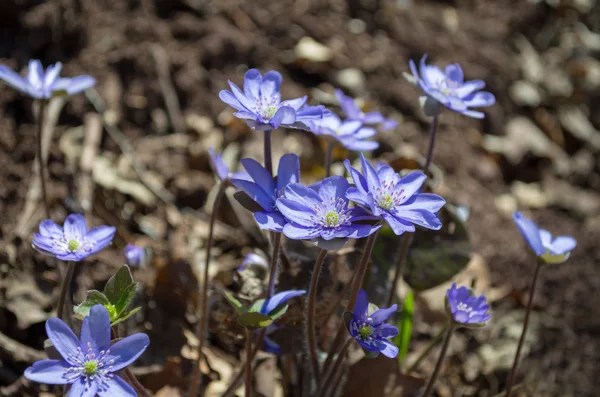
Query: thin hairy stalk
point(515, 365)
point(248, 365)
point(127, 372)
point(329, 158)
point(203, 306)
point(310, 317)
point(438, 365)
point(239, 376)
point(330, 378)
point(406, 242)
point(276, 243)
point(356, 284)
point(432, 131)
point(64, 289)
point(268, 152)
point(333, 308)
point(426, 351)
point(40, 126)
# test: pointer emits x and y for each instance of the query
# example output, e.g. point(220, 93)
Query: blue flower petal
point(361, 307)
point(252, 82)
point(288, 171)
point(95, 331)
point(278, 299)
point(296, 212)
point(398, 225)
point(75, 227)
point(284, 115)
point(480, 99)
point(127, 350)
point(454, 72)
point(63, 338)
point(270, 220)
point(81, 389)
point(387, 348)
point(370, 174)
point(261, 176)
point(117, 387)
point(295, 104)
point(359, 180)
point(14, 79)
point(239, 95)
point(530, 232)
point(382, 315)
point(386, 331)
point(563, 244)
point(255, 192)
point(48, 371)
point(298, 232)
point(231, 100)
point(271, 84)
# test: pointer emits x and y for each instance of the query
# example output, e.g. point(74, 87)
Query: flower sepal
point(554, 259)
point(430, 106)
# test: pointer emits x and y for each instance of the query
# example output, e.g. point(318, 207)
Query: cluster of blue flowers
point(328, 213)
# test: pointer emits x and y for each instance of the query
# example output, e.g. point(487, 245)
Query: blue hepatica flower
point(450, 89)
point(350, 133)
point(370, 330)
point(550, 250)
point(73, 242)
point(39, 84)
point(394, 198)
point(269, 306)
point(321, 213)
point(135, 255)
point(89, 363)
point(219, 165)
point(466, 309)
point(353, 112)
point(260, 103)
point(264, 190)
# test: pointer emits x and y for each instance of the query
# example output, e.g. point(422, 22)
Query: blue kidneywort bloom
point(89, 363)
point(135, 255)
point(550, 250)
point(321, 212)
point(394, 198)
point(260, 104)
point(370, 330)
point(45, 84)
point(352, 134)
point(73, 241)
point(466, 309)
point(449, 88)
point(264, 189)
point(353, 112)
point(279, 299)
point(218, 165)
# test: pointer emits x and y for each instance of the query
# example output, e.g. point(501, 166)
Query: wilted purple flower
point(394, 198)
point(74, 242)
point(450, 89)
point(260, 103)
point(89, 364)
point(550, 250)
point(350, 133)
point(264, 189)
point(353, 112)
point(135, 256)
point(370, 330)
point(321, 212)
point(466, 309)
point(39, 84)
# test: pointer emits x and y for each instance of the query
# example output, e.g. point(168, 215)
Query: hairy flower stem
point(40, 125)
point(513, 371)
point(239, 376)
point(432, 130)
point(268, 152)
point(330, 378)
point(276, 243)
point(406, 242)
point(248, 366)
point(426, 351)
point(438, 365)
point(329, 158)
point(357, 283)
point(203, 306)
point(127, 372)
point(64, 289)
point(310, 317)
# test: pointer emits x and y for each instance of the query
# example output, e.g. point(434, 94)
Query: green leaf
point(126, 297)
point(278, 311)
point(236, 304)
point(255, 320)
point(124, 316)
point(93, 298)
point(117, 285)
point(256, 306)
point(402, 340)
point(59, 93)
point(369, 354)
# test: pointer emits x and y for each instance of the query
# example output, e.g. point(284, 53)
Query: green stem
point(202, 322)
point(64, 289)
point(248, 366)
point(432, 131)
point(329, 158)
point(40, 126)
point(268, 152)
point(427, 350)
point(310, 318)
point(513, 371)
point(406, 242)
point(438, 365)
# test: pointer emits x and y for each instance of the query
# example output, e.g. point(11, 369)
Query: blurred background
point(160, 65)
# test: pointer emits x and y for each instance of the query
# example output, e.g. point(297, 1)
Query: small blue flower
point(279, 299)
point(74, 242)
point(350, 133)
point(39, 84)
point(450, 89)
point(353, 112)
point(466, 309)
point(264, 190)
point(218, 165)
point(321, 213)
point(370, 330)
point(394, 198)
point(89, 363)
point(551, 251)
point(260, 103)
point(135, 256)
